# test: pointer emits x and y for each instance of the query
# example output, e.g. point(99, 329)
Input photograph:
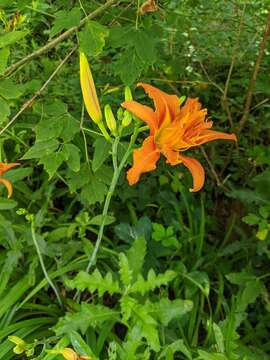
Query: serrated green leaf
point(9, 90)
point(136, 255)
point(52, 162)
point(11, 38)
point(168, 310)
point(89, 315)
point(92, 38)
point(153, 281)
point(65, 20)
point(4, 55)
point(93, 192)
point(124, 270)
point(48, 128)
point(219, 338)
point(78, 180)
point(144, 45)
point(94, 282)
point(4, 110)
point(101, 153)
point(70, 127)
point(41, 148)
point(72, 156)
point(129, 66)
point(203, 355)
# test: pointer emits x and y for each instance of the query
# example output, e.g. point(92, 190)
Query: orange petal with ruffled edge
point(167, 106)
point(144, 160)
point(5, 167)
point(145, 113)
point(211, 135)
point(8, 186)
point(197, 172)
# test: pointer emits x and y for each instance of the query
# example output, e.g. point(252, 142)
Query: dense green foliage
point(179, 275)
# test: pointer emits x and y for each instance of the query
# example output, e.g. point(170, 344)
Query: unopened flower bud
point(182, 99)
point(110, 119)
point(126, 119)
point(128, 94)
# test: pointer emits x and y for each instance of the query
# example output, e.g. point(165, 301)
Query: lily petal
point(197, 172)
point(167, 106)
point(211, 135)
point(8, 186)
point(145, 113)
point(144, 160)
point(5, 167)
point(172, 156)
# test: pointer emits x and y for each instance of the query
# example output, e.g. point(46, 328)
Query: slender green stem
point(116, 174)
point(43, 265)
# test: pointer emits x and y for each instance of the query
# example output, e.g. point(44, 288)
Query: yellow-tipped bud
point(182, 99)
point(128, 94)
point(21, 345)
point(126, 119)
point(110, 119)
point(89, 91)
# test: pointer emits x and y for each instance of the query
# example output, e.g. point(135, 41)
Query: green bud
point(128, 94)
point(21, 345)
point(182, 99)
point(110, 119)
point(120, 114)
point(126, 119)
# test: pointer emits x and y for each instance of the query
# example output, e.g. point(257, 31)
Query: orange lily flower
point(3, 168)
point(173, 130)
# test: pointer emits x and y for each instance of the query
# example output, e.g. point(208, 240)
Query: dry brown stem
point(255, 74)
point(29, 102)
point(58, 39)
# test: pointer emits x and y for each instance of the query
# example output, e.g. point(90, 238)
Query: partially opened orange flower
point(3, 168)
point(173, 130)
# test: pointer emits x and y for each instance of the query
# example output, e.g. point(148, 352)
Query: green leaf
point(92, 38)
point(248, 295)
point(4, 55)
point(199, 280)
point(240, 278)
point(11, 38)
point(203, 355)
point(144, 45)
point(80, 346)
point(174, 347)
point(93, 192)
point(88, 315)
point(79, 179)
point(94, 282)
point(6, 204)
point(52, 162)
point(136, 255)
point(41, 149)
point(4, 110)
point(124, 270)
point(9, 90)
point(251, 219)
point(72, 156)
point(48, 128)
point(65, 20)
point(219, 338)
point(129, 66)
point(153, 281)
point(101, 153)
point(70, 127)
point(168, 310)
point(96, 220)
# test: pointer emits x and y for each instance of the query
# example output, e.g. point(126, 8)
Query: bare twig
point(212, 169)
point(29, 102)
point(58, 39)
point(255, 74)
point(224, 99)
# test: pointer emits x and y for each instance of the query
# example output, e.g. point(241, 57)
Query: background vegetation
point(179, 275)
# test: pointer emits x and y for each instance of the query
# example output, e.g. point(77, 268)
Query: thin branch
point(224, 99)
point(29, 103)
point(58, 39)
point(255, 74)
